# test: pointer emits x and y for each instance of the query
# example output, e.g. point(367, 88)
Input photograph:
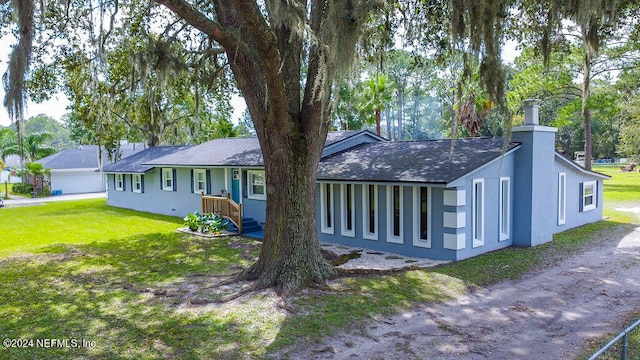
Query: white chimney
point(530, 111)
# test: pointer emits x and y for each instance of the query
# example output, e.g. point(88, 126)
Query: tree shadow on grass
point(100, 292)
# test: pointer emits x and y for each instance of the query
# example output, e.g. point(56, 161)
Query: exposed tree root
point(367, 272)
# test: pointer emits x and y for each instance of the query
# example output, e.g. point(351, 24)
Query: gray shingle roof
point(136, 163)
point(83, 157)
point(337, 136)
point(218, 152)
point(430, 161)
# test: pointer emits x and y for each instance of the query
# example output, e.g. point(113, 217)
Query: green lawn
point(137, 289)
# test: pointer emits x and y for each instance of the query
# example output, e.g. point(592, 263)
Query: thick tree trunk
point(291, 123)
point(290, 256)
point(378, 131)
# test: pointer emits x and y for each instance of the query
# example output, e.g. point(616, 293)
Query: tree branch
point(198, 20)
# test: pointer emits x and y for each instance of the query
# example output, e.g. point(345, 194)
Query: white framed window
point(588, 195)
point(370, 211)
point(168, 181)
point(505, 208)
point(394, 214)
point(347, 210)
point(136, 183)
point(119, 182)
point(562, 198)
point(477, 212)
point(422, 216)
point(326, 208)
point(256, 184)
point(199, 181)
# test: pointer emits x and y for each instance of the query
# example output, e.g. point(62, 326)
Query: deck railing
point(223, 206)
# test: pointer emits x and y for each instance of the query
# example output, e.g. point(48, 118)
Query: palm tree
point(37, 170)
point(376, 96)
point(34, 147)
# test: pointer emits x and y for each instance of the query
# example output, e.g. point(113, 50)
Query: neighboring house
point(9, 175)
point(430, 199)
point(77, 170)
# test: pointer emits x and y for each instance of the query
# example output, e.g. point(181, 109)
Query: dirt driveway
point(545, 315)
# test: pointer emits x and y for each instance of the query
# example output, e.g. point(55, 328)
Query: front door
point(235, 185)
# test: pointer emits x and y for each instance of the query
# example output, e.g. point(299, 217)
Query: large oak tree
point(285, 57)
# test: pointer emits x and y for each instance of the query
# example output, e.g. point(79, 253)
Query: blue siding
point(574, 216)
point(155, 200)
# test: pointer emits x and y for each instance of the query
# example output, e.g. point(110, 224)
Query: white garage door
point(77, 181)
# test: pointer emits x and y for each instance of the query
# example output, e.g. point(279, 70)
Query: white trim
point(95, 170)
point(417, 239)
point(134, 183)
point(390, 236)
point(562, 198)
point(505, 209)
point(163, 173)
point(454, 197)
point(226, 180)
point(344, 211)
point(454, 241)
point(539, 128)
point(477, 230)
point(580, 168)
point(594, 199)
point(250, 184)
point(323, 209)
point(119, 185)
point(454, 220)
point(196, 189)
point(366, 234)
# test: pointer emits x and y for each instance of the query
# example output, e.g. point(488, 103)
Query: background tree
point(376, 96)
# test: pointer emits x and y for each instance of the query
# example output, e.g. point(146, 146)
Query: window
point(562, 198)
point(422, 216)
point(256, 185)
point(370, 212)
point(588, 195)
point(199, 181)
point(505, 208)
point(119, 182)
point(168, 179)
point(347, 210)
point(394, 214)
point(477, 215)
point(136, 183)
point(326, 206)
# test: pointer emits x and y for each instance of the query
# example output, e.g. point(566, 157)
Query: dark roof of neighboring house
point(13, 161)
point(432, 161)
point(84, 157)
point(218, 152)
point(136, 163)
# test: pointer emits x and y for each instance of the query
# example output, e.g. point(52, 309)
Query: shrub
point(205, 223)
point(22, 188)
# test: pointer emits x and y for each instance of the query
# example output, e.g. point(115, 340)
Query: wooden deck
point(223, 206)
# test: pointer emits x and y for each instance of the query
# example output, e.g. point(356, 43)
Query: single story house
point(78, 170)
point(434, 199)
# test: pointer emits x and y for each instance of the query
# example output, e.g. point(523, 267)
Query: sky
point(56, 107)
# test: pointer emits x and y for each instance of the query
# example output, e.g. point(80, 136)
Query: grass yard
point(133, 288)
